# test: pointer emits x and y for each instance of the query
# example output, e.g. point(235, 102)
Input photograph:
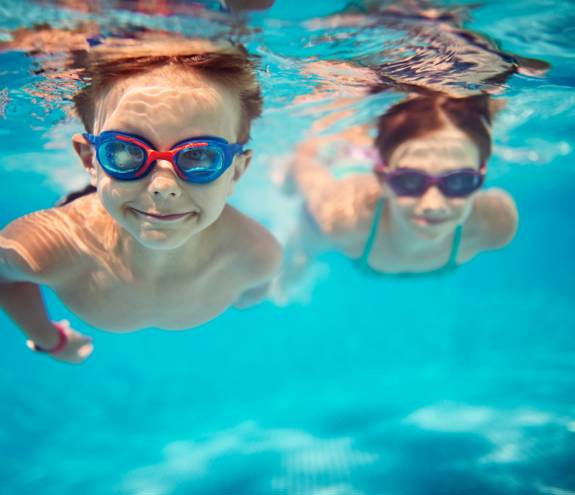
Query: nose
point(433, 202)
point(164, 182)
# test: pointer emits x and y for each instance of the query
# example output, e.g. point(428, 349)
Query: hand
point(77, 349)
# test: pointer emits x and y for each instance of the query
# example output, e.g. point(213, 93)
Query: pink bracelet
point(62, 341)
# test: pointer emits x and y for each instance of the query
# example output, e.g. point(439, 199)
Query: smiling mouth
point(430, 221)
point(164, 217)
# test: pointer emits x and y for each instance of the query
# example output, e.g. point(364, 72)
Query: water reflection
point(436, 53)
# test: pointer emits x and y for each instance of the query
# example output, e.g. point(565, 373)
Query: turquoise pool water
point(455, 385)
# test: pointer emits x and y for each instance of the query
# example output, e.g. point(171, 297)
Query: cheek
point(113, 193)
point(459, 207)
point(221, 188)
point(403, 204)
point(211, 197)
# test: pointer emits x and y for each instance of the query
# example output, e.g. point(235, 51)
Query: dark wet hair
point(89, 189)
point(421, 115)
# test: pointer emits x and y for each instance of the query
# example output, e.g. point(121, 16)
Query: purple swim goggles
point(414, 183)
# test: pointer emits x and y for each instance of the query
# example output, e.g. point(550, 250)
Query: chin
point(433, 231)
point(160, 237)
point(161, 241)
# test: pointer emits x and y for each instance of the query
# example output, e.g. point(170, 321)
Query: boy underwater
point(156, 245)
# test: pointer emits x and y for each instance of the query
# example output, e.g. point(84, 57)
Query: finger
point(85, 351)
point(31, 345)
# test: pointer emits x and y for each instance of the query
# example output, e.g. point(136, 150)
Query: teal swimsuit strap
point(455, 246)
point(363, 261)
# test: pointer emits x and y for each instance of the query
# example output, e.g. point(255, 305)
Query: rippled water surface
point(461, 384)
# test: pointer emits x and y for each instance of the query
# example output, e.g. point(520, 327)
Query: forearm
point(23, 303)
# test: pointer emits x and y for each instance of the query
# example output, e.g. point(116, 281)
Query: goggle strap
point(89, 137)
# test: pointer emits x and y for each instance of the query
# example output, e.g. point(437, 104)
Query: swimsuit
point(363, 261)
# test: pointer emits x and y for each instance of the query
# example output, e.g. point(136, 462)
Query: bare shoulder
point(256, 252)
point(494, 219)
point(34, 246)
point(42, 246)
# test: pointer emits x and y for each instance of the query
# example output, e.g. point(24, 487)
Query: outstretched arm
point(21, 299)
point(23, 303)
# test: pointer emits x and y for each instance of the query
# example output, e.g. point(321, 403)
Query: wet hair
point(421, 115)
point(89, 189)
point(105, 65)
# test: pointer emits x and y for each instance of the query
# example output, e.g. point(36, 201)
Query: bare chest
point(106, 299)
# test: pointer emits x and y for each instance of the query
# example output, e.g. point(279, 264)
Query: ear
point(84, 150)
point(242, 162)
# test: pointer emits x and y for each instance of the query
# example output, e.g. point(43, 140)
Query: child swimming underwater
point(167, 122)
point(422, 210)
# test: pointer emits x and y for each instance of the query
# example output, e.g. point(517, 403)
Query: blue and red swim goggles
point(198, 160)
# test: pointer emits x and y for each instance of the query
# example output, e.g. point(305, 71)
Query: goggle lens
point(460, 184)
point(200, 159)
point(409, 183)
point(120, 156)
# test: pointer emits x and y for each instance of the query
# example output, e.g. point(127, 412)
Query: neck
point(149, 264)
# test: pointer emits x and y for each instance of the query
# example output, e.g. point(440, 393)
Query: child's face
point(432, 214)
point(160, 210)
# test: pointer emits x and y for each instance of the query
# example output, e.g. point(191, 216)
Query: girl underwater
point(422, 209)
